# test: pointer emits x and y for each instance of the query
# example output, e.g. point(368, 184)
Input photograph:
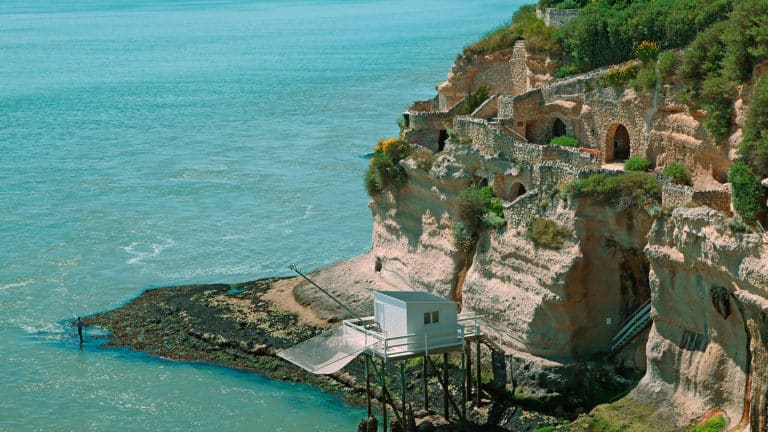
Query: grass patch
point(637, 163)
point(523, 25)
point(623, 416)
point(547, 233)
point(565, 141)
point(713, 424)
point(424, 159)
point(632, 189)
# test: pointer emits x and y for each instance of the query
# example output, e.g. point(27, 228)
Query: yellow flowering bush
point(384, 168)
point(647, 51)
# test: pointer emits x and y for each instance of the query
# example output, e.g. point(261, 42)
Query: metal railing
point(632, 326)
point(419, 342)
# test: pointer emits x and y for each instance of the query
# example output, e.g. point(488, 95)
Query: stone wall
point(674, 196)
point(557, 17)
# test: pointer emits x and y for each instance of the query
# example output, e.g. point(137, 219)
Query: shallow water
point(149, 143)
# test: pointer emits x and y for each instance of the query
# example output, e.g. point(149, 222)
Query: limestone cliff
point(706, 348)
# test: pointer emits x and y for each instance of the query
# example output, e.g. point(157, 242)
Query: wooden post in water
point(445, 387)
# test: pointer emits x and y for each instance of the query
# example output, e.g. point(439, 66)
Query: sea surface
point(147, 143)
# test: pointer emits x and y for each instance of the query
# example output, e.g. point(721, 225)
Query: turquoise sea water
point(146, 143)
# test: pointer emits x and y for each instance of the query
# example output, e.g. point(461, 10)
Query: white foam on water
point(143, 251)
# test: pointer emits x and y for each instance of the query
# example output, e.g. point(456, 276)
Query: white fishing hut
point(405, 324)
point(414, 323)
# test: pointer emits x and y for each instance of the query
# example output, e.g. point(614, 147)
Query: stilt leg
point(477, 361)
point(424, 381)
point(445, 386)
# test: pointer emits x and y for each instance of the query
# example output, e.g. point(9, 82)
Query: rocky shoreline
point(244, 325)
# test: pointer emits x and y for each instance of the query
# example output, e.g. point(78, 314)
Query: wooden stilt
point(368, 383)
point(463, 388)
point(383, 396)
point(477, 362)
point(404, 421)
point(424, 382)
point(468, 387)
point(445, 387)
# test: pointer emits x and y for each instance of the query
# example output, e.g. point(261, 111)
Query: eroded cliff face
point(707, 346)
point(706, 349)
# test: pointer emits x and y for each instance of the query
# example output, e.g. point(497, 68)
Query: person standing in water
point(80, 329)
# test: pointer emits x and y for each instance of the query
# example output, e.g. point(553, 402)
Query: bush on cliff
point(637, 163)
point(754, 145)
point(546, 233)
point(524, 25)
point(747, 191)
point(474, 100)
point(678, 172)
point(384, 170)
point(608, 32)
point(475, 205)
point(565, 141)
point(632, 189)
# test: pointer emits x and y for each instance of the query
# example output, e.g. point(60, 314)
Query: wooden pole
point(463, 389)
point(477, 361)
point(368, 384)
point(424, 382)
point(402, 394)
point(383, 396)
point(445, 386)
point(468, 387)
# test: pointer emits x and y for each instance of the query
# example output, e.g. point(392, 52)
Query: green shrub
point(754, 145)
point(384, 170)
point(565, 141)
point(475, 205)
point(627, 190)
point(736, 225)
point(678, 172)
point(547, 233)
point(568, 4)
point(747, 192)
point(620, 74)
point(667, 63)
point(717, 95)
point(637, 163)
point(657, 211)
point(713, 424)
point(524, 25)
point(474, 100)
point(647, 51)
point(493, 220)
point(424, 159)
point(463, 238)
point(565, 71)
point(646, 78)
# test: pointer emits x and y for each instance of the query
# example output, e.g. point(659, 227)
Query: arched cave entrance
point(617, 143)
point(558, 128)
point(441, 138)
point(516, 190)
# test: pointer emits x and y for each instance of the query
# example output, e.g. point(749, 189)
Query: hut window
point(431, 317)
